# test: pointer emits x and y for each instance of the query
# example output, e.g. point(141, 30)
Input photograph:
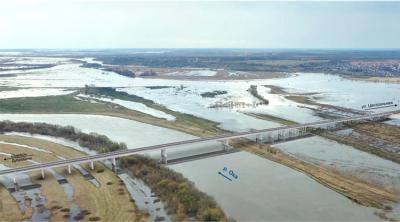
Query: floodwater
point(69, 192)
point(74, 209)
point(58, 140)
point(264, 189)
point(37, 200)
point(133, 106)
point(145, 200)
point(344, 158)
point(394, 120)
point(185, 96)
point(134, 134)
point(336, 90)
point(139, 191)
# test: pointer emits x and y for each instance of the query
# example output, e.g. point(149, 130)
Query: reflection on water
point(145, 200)
point(344, 158)
point(31, 198)
point(133, 133)
point(266, 190)
point(395, 122)
point(340, 91)
point(74, 209)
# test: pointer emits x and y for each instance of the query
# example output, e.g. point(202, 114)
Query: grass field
point(271, 118)
point(68, 104)
point(362, 145)
point(9, 210)
point(183, 120)
point(375, 79)
point(352, 187)
point(110, 202)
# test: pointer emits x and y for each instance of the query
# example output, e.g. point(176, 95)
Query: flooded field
point(336, 90)
point(344, 158)
point(32, 197)
point(265, 189)
point(281, 187)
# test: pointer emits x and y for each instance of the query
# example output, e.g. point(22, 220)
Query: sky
point(166, 24)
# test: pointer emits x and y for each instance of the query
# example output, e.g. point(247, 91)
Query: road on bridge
point(225, 137)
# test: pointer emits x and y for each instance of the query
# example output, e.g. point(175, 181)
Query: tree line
point(93, 141)
point(184, 200)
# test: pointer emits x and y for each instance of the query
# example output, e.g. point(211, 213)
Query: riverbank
point(95, 203)
point(310, 99)
point(271, 118)
point(184, 201)
point(387, 133)
point(9, 210)
point(357, 189)
point(190, 204)
point(375, 79)
point(206, 130)
point(68, 104)
point(354, 188)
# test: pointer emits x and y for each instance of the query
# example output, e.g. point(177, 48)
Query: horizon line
point(194, 48)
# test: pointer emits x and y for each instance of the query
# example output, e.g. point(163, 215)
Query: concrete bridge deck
point(326, 124)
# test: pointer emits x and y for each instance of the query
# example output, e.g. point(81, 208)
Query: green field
point(68, 104)
point(271, 118)
point(50, 104)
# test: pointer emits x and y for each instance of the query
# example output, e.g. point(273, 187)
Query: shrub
point(183, 199)
point(93, 141)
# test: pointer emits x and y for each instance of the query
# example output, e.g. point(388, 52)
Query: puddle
point(145, 200)
point(27, 198)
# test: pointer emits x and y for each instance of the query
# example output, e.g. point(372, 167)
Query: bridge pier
point(303, 131)
point(164, 156)
point(92, 165)
point(42, 174)
point(292, 133)
point(225, 145)
point(114, 164)
point(269, 137)
point(259, 139)
point(283, 135)
point(15, 184)
point(273, 135)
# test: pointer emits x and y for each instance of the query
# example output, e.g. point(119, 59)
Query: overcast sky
point(129, 24)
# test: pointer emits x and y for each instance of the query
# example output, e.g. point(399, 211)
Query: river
point(264, 189)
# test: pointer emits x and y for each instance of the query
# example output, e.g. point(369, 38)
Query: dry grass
point(54, 194)
point(363, 145)
point(9, 210)
point(354, 188)
point(47, 145)
point(375, 79)
point(271, 118)
point(380, 130)
point(108, 202)
point(307, 99)
point(182, 125)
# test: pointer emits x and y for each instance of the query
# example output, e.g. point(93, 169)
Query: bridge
point(261, 136)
